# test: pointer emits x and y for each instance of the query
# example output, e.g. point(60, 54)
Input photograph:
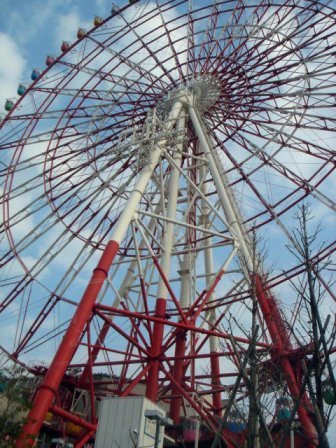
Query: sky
point(29, 31)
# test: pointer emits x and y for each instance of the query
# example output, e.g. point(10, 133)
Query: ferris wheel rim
point(270, 213)
point(268, 216)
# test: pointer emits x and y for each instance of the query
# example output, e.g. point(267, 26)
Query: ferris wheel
point(150, 178)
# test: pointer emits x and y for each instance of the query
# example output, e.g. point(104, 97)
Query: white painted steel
point(131, 275)
point(195, 187)
point(197, 431)
point(185, 272)
point(208, 263)
point(127, 215)
point(208, 231)
point(168, 234)
point(221, 190)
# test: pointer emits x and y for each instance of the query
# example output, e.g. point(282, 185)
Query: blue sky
point(29, 31)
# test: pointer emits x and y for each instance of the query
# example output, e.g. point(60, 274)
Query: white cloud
point(39, 15)
point(12, 65)
point(67, 26)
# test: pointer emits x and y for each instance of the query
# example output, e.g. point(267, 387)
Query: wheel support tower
point(183, 109)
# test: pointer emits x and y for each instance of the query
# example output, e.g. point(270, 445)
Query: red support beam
point(153, 375)
point(128, 337)
point(188, 326)
point(175, 404)
point(281, 346)
point(48, 389)
point(72, 418)
point(216, 384)
point(82, 441)
point(135, 382)
point(95, 352)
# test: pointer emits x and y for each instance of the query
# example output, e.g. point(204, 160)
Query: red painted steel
point(216, 384)
point(153, 375)
point(282, 350)
point(135, 382)
point(178, 370)
point(95, 352)
point(210, 58)
point(72, 418)
point(48, 389)
point(85, 438)
point(188, 326)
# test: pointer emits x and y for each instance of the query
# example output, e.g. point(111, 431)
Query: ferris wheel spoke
point(171, 45)
point(45, 310)
point(256, 150)
point(143, 74)
point(110, 78)
point(237, 51)
point(46, 136)
point(236, 44)
point(320, 94)
point(21, 284)
point(299, 181)
point(27, 210)
point(293, 142)
point(208, 36)
point(150, 52)
point(191, 57)
point(36, 234)
point(40, 342)
point(259, 197)
point(133, 66)
point(280, 68)
point(75, 127)
point(296, 118)
point(136, 172)
point(88, 94)
point(280, 39)
point(65, 282)
point(94, 94)
point(298, 62)
point(283, 171)
point(309, 77)
point(228, 44)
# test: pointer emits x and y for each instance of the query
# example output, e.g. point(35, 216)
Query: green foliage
point(14, 404)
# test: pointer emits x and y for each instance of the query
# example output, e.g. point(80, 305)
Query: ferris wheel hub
point(206, 91)
point(202, 92)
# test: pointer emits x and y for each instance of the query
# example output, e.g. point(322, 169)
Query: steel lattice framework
point(139, 171)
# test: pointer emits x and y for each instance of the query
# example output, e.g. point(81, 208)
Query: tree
point(14, 403)
point(312, 287)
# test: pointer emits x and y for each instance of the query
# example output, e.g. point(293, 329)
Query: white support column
point(208, 261)
point(120, 229)
point(185, 272)
point(211, 314)
point(131, 274)
point(168, 234)
point(167, 244)
point(221, 189)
